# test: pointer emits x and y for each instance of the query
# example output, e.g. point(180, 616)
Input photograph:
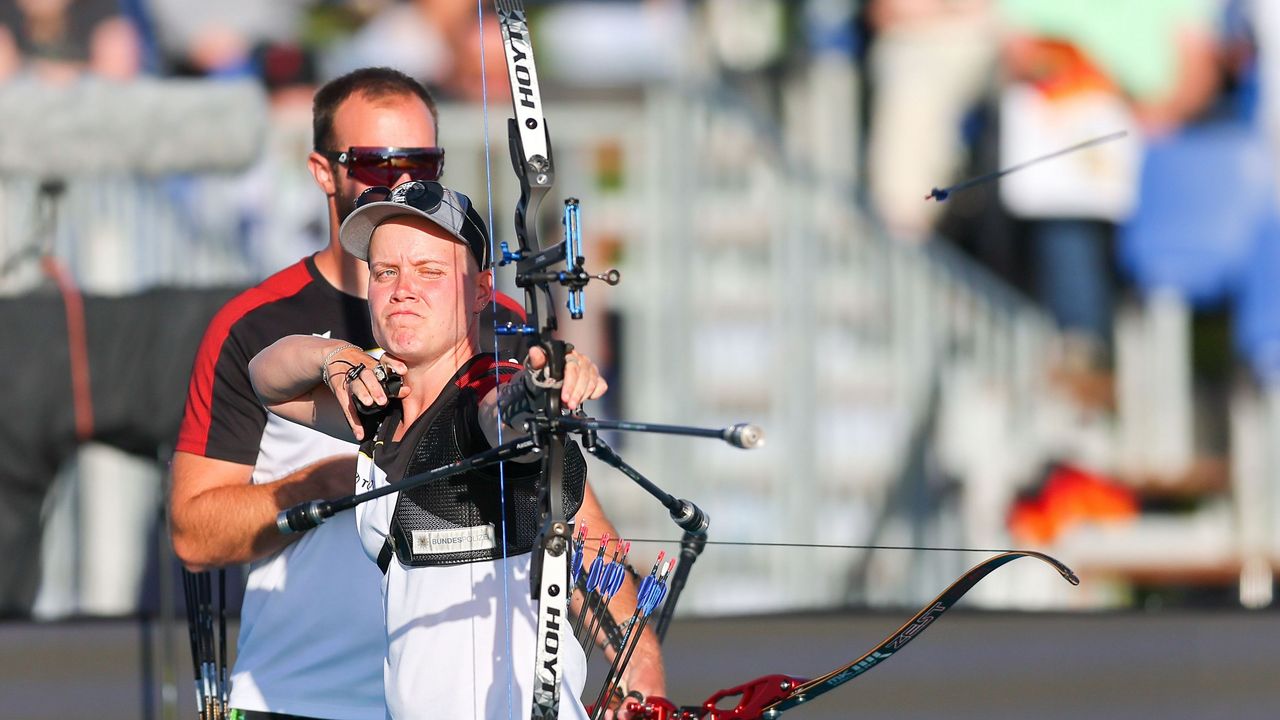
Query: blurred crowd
point(288, 47)
point(1180, 212)
point(953, 87)
point(1181, 206)
point(286, 44)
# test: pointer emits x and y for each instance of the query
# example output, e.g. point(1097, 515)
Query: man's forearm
point(233, 524)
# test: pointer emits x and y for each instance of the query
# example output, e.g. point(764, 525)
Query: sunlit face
point(425, 290)
point(392, 121)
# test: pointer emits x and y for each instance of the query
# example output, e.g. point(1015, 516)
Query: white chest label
point(432, 542)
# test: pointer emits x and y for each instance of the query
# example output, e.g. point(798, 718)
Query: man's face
point(391, 121)
point(425, 290)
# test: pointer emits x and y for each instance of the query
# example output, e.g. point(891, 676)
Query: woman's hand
point(352, 376)
point(582, 379)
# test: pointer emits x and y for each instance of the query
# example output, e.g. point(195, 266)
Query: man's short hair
point(372, 82)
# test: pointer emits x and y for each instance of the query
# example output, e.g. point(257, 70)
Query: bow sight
point(574, 278)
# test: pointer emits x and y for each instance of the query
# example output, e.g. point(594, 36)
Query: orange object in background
point(1056, 68)
point(1070, 496)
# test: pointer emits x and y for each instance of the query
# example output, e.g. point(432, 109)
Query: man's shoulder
point(290, 302)
point(285, 284)
point(223, 411)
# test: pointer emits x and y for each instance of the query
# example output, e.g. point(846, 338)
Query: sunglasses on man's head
point(385, 165)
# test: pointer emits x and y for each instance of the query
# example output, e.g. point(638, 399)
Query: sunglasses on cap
point(420, 195)
point(447, 208)
point(385, 165)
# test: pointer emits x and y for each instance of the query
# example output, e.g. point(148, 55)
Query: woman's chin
point(409, 349)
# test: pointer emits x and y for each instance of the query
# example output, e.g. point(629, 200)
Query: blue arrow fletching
point(606, 580)
point(575, 564)
point(646, 587)
point(654, 597)
point(593, 575)
point(659, 593)
point(614, 583)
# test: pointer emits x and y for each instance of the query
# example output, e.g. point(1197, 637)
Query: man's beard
point(344, 197)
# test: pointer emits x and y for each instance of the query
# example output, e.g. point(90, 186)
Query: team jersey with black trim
point(311, 636)
point(451, 600)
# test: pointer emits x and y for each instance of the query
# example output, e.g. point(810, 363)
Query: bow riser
point(551, 614)
point(523, 75)
point(530, 146)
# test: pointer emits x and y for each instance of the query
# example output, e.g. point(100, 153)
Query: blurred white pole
point(1254, 433)
point(58, 595)
point(96, 537)
point(1154, 393)
point(118, 496)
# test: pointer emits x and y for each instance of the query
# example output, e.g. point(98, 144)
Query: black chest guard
point(458, 519)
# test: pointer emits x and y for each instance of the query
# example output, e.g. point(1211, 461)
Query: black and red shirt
point(223, 418)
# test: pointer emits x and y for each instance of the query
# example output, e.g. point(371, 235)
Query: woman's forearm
point(292, 366)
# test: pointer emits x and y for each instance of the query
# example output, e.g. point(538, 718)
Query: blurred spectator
point(270, 214)
point(215, 38)
point(434, 41)
point(930, 61)
point(1076, 70)
point(470, 78)
point(57, 40)
point(284, 217)
point(1160, 55)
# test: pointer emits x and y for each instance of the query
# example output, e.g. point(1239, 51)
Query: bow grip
point(551, 375)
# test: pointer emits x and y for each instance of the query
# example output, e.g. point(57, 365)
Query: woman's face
point(425, 290)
